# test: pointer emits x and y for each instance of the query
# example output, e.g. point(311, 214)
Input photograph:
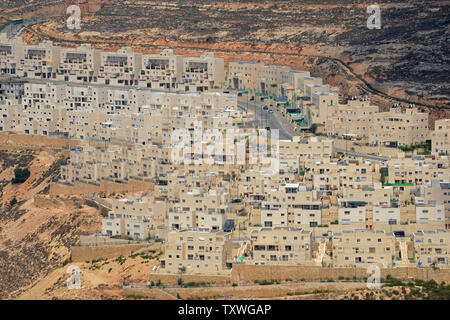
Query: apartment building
point(281, 246)
point(304, 149)
point(351, 120)
point(432, 248)
point(79, 64)
point(197, 252)
point(352, 212)
point(134, 218)
point(203, 73)
point(418, 170)
point(115, 163)
point(39, 61)
point(327, 176)
point(399, 128)
point(304, 81)
point(434, 193)
point(11, 93)
point(322, 106)
point(376, 194)
point(440, 137)
point(380, 206)
point(322, 175)
point(271, 80)
point(122, 67)
point(245, 75)
point(200, 209)
point(161, 71)
point(43, 111)
point(310, 89)
point(360, 248)
point(291, 80)
point(250, 182)
point(11, 55)
point(427, 213)
point(291, 205)
point(386, 215)
point(265, 80)
point(356, 173)
point(10, 116)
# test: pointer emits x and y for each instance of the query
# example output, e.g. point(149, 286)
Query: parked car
point(265, 108)
point(270, 111)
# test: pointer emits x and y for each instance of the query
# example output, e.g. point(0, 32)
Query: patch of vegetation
point(194, 284)
point(267, 282)
point(121, 260)
point(20, 175)
point(424, 145)
point(135, 297)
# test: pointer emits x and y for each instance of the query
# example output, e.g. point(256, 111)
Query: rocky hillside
point(35, 236)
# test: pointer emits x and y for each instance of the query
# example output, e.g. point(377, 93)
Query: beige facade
point(200, 210)
point(361, 248)
point(322, 106)
point(203, 73)
point(281, 246)
point(352, 212)
point(245, 75)
point(351, 120)
point(11, 107)
point(397, 128)
point(79, 64)
point(120, 68)
point(440, 137)
point(161, 71)
point(418, 170)
point(11, 55)
point(432, 248)
point(197, 252)
point(134, 218)
point(39, 61)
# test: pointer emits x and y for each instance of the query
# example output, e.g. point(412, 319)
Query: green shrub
point(194, 284)
point(20, 175)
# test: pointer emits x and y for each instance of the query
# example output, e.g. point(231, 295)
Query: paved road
point(265, 119)
point(12, 30)
point(362, 155)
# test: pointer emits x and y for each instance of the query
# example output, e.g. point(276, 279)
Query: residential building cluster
point(212, 209)
point(124, 67)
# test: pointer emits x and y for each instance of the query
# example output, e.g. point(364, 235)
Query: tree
point(182, 269)
point(20, 175)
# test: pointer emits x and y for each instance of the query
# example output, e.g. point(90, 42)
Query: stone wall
point(85, 189)
point(250, 273)
point(172, 279)
point(18, 139)
point(85, 253)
